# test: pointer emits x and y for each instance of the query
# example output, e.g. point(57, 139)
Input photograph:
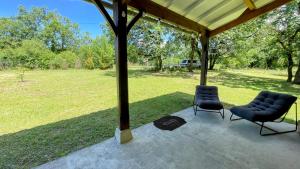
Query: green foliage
point(149, 40)
point(64, 60)
point(133, 55)
point(59, 46)
point(98, 54)
point(89, 63)
point(104, 52)
point(32, 54)
point(7, 58)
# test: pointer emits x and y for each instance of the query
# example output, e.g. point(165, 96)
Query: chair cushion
point(267, 106)
point(206, 97)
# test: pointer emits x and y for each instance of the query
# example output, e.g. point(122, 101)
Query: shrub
point(58, 63)
point(89, 63)
point(78, 64)
point(98, 54)
point(6, 58)
point(69, 57)
point(64, 60)
point(33, 54)
point(104, 53)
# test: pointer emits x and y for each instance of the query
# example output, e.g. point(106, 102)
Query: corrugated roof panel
point(210, 13)
point(226, 14)
point(261, 3)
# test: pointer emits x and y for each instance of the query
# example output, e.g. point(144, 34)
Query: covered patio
point(205, 18)
point(205, 141)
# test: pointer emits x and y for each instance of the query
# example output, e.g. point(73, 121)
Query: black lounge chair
point(206, 98)
point(266, 107)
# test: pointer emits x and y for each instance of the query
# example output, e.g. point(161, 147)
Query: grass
point(55, 112)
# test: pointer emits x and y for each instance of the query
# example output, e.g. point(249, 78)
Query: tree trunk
point(290, 67)
point(297, 75)
point(212, 62)
point(158, 63)
point(190, 67)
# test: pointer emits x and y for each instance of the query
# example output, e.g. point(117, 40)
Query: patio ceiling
point(213, 16)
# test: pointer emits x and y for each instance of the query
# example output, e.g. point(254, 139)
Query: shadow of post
point(35, 146)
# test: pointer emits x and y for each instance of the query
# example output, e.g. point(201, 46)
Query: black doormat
point(169, 123)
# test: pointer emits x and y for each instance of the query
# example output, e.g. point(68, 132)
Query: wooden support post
point(123, 133)
point(120, 28)
point(204, 57)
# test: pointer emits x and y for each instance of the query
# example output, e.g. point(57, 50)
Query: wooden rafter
point(250, 4)
point(166, 14)
point(134, 20)
point(147, 18)
point(169, 17)
point(102, 9)
point(248, 15)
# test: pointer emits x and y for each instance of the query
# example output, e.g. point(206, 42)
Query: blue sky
point(85, 14)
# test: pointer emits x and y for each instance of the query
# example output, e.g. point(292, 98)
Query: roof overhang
point(203, 16)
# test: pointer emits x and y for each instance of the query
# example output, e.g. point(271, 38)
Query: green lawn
point(55, 112)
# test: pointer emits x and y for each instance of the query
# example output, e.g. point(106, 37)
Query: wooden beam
point(204, 39)
point(166, 14)
point(248, 15)
point(147, 18)
point(134, 20)
point(250, 4)
point(102, 9)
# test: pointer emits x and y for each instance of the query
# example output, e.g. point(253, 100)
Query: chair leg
point(195, 109)
point(296, 112)
point(274, 132)
point(222, 113)
point(232, 119)
point(277, 132)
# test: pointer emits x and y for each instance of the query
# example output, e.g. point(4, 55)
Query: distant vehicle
point(186, 62)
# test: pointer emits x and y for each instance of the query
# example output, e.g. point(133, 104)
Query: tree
point(297, 75)
point(57, 32)
point(219, 46)
point(60, 33)
point(18, 38)
point(149, 40)
point(185, 44)
point(285, 23)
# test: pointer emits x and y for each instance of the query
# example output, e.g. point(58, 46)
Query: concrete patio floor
point(205, 141)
